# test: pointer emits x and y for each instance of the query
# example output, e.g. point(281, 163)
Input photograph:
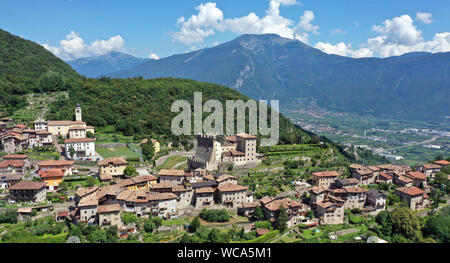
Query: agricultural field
point(119, 151)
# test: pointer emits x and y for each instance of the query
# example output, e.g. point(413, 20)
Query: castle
point(214, 152)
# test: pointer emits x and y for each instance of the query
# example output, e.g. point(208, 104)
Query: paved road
point(415, 144)
point(162, 159)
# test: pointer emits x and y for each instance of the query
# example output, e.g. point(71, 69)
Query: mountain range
point(97, 66)
point(414, 86)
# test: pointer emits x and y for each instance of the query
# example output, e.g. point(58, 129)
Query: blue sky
point(358, 28)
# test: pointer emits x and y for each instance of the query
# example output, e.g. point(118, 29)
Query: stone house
point(109, 215)
point(414, 196)
point(204, 196)
point(324, 179)
point(28, 192)
point(171, 176)
point(113, 167)
point(231, 195)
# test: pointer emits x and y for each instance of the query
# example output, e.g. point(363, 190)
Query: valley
point(402, 141)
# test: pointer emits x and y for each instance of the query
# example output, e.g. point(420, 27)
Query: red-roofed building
point(442, 163)
point(418, 178)
point(325, 179)
point(12, 167)
point(28, 192)
point(52, 178)
point(413, 196)
point(64, 165)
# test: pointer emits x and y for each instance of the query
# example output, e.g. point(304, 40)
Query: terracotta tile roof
point(431, 166)
point(26, 185)
point(246, 136)
point(417, 175)
point(15, 156)
point(51, 173)
point(231, 139)
point(205, 190)
point(266, 200)
point(356, 166)
point(179, 188)
point(250, 204)
point(108, 208)
point(63, 213)
point(89, 200)
point(113, 160)
point(391, 167)
point(385, 175)
point(410, 190)
point(364, 171)
point(317, 190)
point(82, 191)
point(161, 196)
point(76, 140)
point(224, 177)
point(162, 185)
point(166, 172)
point(442, 162)
point(262, 231)
point(404, 179)
point(56, 163)
point(285, 202)
point(355, 190)
point(105, 177)
point(325, 204)
point(229, 187)
point(326, 174)
point(209, 177)
point(13, 163)
point(10, 177)
point(234, 153)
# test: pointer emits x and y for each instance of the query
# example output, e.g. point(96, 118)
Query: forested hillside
point(22, 63)
point(139, 106)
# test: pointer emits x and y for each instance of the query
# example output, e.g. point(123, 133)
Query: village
point(39, 188)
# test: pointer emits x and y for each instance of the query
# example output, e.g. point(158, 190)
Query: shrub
point(215, 215)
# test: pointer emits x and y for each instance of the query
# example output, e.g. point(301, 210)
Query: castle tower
point(78, 113)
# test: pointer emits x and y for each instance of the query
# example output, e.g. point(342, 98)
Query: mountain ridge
point(272, 67)
point(97, 66)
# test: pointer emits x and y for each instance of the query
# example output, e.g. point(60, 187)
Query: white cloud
point(305, 22)
point(73, 46)
point(424, 17)
point(343, 49)
point(153, 56)
point(210, 18)
point(400, 30)
point(199, 26)
point(399, 36)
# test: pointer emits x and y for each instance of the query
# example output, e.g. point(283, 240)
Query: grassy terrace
point(121, 151)
point(172, 161)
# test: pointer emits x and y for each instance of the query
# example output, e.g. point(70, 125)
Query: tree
point(405, 223)
point(195, 224)
point(72, 152)
point(149, 226)
point(130, 171)
point(90, 134)
point(50, 82)
point(215, 236)
point(90, 181)
point(128, 218)
point(282, 219)
point(148, 151)
point(258, 214)
point(98, 236)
